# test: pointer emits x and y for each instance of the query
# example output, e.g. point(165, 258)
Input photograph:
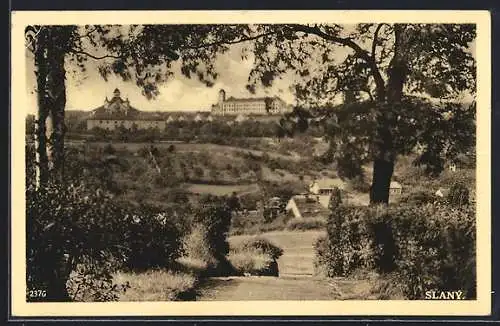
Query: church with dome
point(116, 112)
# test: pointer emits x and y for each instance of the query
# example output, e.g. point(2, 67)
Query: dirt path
point(268, 288)
point(296, 281)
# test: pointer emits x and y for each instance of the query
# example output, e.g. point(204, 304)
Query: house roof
point(310, 207)
point(118, 109)
point(395, 185)
point(328, 183)
point(234, 99)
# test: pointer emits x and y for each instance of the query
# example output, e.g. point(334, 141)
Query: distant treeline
point(217, 131)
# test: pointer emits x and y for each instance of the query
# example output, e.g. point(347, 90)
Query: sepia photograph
point(241, 159)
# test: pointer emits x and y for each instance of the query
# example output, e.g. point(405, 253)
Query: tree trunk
point(56, 100)
point(50, 46)
point(41, 160)
point(385, 156)
point(49, 51)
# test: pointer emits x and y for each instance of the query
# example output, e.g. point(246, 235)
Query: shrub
point(153, 240)
point(109, 149)
point(253, 263)
point(419, 198)
point(322, 257)
point(335, 199)
point(459, 194)
point(429, 247)
point(437, 250)
point(305, 224)
point(77, 237)
point(359, 184)
point(349, 242)
point(68, 226)
point(256, 256)
point(196, 246)
point(208, 240)
point(261, 246)
point(157, 285)
point(91, 281)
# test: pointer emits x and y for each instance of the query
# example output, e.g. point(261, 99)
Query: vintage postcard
point(250, 163)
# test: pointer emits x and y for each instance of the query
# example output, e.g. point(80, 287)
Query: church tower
point(222, 99)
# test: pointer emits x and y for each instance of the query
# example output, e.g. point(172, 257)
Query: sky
point(87, 91)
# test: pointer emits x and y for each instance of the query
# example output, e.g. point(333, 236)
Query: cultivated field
point(221, 190)
point(186, 147)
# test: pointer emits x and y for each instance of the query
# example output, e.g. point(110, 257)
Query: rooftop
point(233, 99)
point(395, 185)
point(328, 183)
point(309, 207)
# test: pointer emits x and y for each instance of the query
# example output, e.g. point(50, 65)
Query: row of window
point(244, 105)
point(115, 122)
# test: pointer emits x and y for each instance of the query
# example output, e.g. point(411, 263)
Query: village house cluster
point(315, 202)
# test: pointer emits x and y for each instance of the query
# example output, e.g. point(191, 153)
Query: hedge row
point(74, 229)
point(429, 247)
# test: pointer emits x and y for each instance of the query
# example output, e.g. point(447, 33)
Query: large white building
point(249, 106)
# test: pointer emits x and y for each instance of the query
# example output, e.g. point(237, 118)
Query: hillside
point(198, 169)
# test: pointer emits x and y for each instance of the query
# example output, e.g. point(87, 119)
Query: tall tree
point(122, 50)
point(382, 65)
point(391, 71)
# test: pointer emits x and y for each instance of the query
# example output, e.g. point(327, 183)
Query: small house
point(395, 188)
point(305, 206)
point(198, 118)
point(325, 186)
point(442, 192)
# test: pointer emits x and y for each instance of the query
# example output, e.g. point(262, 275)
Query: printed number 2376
point(37, 293)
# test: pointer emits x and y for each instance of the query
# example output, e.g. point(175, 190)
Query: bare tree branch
point(245, 39)
point(360, 53)
point(94, 56)
point(375, 39)
point(342, 41)
point(88, 33)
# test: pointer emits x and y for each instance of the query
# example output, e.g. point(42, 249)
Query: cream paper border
point(20, 308)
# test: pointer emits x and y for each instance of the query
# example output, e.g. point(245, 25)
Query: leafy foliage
point(208, 238)
point(428, 247)
point(153, 240)
point(459, 194)
point(256, 256)
point(262, 246)
point(302, 224)
point(66, 227)
point(385, 73)
point(78, 234)
point(438, 62)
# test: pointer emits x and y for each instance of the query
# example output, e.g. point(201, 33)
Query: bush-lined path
point(296, 280)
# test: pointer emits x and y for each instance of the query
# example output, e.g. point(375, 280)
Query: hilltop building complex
point(118, 112)
point(249, 106)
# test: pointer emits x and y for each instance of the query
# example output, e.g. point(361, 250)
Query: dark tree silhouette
point(386, 73)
